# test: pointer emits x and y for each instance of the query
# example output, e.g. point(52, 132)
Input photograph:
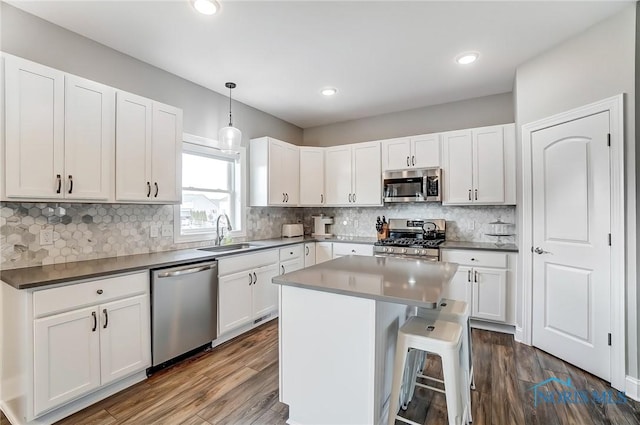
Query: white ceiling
point(383, 56)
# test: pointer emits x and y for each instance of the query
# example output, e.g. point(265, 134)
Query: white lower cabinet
point(78, 350)
point(324, 252)
point(245, 290)
point(485, 280)
point(309, 254)
point(342, 249)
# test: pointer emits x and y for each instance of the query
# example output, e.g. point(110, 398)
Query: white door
point(277, 195)
point(311, 176)
point(460, 286)
point(458, 167)
point(66, 357)
point(396, 154)
point(488, 165)
point(571, 225)
point(324, 252)
point(34, 130)
point(166, 145)
point(265, 292)
point(337, 175)
point(425, 151)
point(367, 174)
point(489, 294)
point(309, 254)
point(133, 147)
point(291, 174)
point(125, 345)
point(234, 300)
point(89, 137)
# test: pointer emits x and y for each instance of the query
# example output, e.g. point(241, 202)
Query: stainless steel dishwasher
point(184, 309)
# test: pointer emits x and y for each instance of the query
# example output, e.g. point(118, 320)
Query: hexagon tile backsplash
point(92, 231)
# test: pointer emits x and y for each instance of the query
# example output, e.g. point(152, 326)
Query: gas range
point(413, 238)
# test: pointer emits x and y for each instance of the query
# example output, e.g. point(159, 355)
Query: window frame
point(200, 145)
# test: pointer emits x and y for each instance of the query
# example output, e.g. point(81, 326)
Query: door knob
point(540, 251)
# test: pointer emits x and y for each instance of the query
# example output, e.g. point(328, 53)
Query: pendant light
point(230, 137)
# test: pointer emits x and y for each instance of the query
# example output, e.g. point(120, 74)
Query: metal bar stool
point(439, 337)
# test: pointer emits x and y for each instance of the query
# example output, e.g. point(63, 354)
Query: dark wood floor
point(237, 383)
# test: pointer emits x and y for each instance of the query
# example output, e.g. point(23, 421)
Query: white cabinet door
point(309, 254)
point(396, 154)
point(425, 151)
point(458, 167)
point(460, 286)
point(34, 149)
point(367, 174)
point(291, 175)
point(291, 265)
point(324, 252)
point(89, 139)
point(338, 175)
point(165, 159)
point(265, 292)
point(277, 195)
point(124, 338)
point(489, 165)
point(133, 147)
point(66, 357)
point(311, 176)
point(234, 302)
point(489, 294)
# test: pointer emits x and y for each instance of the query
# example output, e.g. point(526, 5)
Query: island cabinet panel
point(355, 357)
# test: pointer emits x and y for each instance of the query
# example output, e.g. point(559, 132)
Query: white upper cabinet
point(148, 138)
point(411, 152)
point(275, 172)
point(353, 174)
point(479, 166)
point(59, 134)
point(312, 176)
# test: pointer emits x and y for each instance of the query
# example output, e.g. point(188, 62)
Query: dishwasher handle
point(185, 271)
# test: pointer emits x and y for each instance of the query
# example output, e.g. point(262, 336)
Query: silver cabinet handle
point(321, 198)
point(70, 183)
point(59, 180)
point(468, 275)
point(95, 321)
point(469, 194)
point(283, 197)
point(541, 251)
point(475, 276)
point(106, 318)
point(183, 272)
point(255, 278)
point(476, 194)
point(250, 279)
point(413, 160)
point(282, 265)
point(287, 197)
point(157, 189)
point(99, 291)
point(307, 249)
point(354, 197)
point(349, 197)
point(407, 161)
point(148, 189)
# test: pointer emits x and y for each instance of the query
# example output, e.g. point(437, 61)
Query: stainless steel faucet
point(219, 237)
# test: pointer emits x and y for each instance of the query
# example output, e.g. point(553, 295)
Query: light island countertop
point(397, 280)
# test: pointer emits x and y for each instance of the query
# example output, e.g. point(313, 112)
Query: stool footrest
point(406, 421)
point(430, 378)
point(429, 387)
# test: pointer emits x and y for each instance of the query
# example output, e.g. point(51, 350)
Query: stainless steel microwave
point(418, 185)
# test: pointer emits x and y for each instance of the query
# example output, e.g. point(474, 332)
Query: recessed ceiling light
point(329, 91)
point(206, 7)
point(467, 58)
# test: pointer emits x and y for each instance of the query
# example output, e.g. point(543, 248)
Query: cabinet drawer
point(340, 249)
point(291, 252)
point(56, 300)
point(229, 265)
point(475, 258)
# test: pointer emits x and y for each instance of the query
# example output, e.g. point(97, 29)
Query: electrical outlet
point(46, 237)
point(167, 230)
point(154, 232)
point(355, 223)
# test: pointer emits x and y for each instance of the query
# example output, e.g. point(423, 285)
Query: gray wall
point(205, 111)
point(478, 112)
point(594, 65)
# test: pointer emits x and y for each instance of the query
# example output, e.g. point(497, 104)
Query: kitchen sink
point(231, 247)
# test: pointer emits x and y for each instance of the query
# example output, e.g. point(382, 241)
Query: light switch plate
point(167, 230)
point(46, 237)
point(154, 232)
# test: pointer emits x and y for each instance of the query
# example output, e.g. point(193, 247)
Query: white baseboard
point(632, 388)
point(241, 330)
point(491, 326)
point(8, 413)
point(519, 335)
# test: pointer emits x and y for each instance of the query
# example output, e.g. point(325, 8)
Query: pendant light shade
point(230, 137)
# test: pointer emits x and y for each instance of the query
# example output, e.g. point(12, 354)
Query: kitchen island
point(338, 327)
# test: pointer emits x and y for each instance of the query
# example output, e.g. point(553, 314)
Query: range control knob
point(404, 250)
point(423, 251)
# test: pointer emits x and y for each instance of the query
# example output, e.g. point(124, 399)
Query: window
point(212, 185)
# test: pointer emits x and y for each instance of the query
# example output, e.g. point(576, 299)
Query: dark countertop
point(482, 246)
point(33, 277)
point(389, 279)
